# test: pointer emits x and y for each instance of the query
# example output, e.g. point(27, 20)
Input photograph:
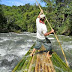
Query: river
point(14, 46)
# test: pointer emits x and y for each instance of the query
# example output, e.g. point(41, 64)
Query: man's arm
point(46, 34)
point(40, 13)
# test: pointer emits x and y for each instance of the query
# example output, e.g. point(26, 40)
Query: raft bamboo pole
point(39, 64)
point(46, 66)
point(43, 64)
point(36, 67)
point(55, 36)
point(29, 70)
point(53, 70)
point(49, 69)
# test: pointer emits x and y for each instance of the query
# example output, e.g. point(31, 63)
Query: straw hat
point(42, 16)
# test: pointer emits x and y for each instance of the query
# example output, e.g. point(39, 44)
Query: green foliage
point(19, 18)
point(3, 20)
point(58, 12)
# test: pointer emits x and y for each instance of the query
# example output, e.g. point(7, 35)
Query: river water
point(14, 46)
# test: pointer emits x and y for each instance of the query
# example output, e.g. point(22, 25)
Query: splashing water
point(14, 46)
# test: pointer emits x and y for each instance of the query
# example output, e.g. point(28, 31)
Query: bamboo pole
point(36, 67)
point(29, 70)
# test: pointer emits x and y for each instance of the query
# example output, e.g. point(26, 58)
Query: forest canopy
point(23, 18)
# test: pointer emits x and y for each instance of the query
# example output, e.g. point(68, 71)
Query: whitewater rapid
point(14, 46)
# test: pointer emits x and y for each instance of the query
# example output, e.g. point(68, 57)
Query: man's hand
point(52, 31)
point(41, 11)
point(46, 34)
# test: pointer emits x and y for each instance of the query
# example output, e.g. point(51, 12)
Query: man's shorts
point(46, 43)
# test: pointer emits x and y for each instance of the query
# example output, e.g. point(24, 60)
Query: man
point(41, 35)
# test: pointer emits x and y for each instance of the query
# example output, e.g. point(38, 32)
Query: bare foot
point(31, 54)
point(48, 55)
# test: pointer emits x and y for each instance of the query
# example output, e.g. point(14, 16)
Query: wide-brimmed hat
point(42, 16)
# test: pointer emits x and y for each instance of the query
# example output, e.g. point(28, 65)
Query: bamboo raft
point(41, 63)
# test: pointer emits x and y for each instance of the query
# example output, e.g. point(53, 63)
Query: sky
point(20, 2)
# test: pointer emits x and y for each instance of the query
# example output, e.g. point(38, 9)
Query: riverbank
point(23, 18)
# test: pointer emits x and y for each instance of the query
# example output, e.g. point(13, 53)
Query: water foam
point(2, 52)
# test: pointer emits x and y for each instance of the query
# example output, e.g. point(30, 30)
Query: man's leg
point(36, 47)
point(48, 55)
point(33, 52)
point(48, 48)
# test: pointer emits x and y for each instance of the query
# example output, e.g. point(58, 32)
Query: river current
point(14, 46)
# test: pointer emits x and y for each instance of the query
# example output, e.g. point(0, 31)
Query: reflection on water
point(14, 46)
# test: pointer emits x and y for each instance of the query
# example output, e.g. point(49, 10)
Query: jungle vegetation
point(23, 18)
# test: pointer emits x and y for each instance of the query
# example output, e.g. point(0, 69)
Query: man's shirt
point(41, 29)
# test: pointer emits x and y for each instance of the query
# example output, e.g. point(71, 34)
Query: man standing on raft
point(41, 35)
